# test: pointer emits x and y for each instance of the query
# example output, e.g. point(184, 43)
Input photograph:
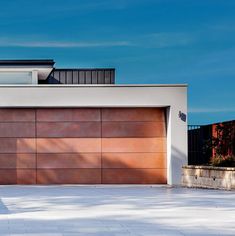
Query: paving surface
point(115, 210)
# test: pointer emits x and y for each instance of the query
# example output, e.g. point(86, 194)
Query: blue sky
point(147, 41)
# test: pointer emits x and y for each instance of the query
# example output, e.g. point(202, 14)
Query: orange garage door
point(85, 146)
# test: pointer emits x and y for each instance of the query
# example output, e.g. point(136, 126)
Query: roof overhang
point(43, 67)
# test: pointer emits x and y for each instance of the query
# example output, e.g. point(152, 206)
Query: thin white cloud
point(57, 44)
point(211, 110)
point(222, 26)
point(154, 40)
point(168, 39)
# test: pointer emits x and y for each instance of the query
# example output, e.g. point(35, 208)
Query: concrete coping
point(94, 85)
point(209, 168)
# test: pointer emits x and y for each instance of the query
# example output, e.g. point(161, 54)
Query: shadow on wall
point(95, 168)
point(178, 160)
point(17, 161)
point(60, 157)
point(80, 168)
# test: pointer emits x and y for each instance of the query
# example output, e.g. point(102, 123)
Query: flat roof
point(93, 85)
point(47, 62)
point(86, 69)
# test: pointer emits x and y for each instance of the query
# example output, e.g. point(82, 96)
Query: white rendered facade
point(172, 97)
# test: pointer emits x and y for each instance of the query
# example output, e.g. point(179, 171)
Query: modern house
point(77, 126)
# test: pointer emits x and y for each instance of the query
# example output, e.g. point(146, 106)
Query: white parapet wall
point(172, 97)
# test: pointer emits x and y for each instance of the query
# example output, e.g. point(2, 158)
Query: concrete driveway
point(115, 210)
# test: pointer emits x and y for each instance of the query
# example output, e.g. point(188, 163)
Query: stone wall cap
point(209, 167)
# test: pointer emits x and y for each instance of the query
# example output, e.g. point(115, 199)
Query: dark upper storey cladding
point(81, 76)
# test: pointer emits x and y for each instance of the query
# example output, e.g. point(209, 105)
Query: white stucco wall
point(15, 77)
point(173, 97)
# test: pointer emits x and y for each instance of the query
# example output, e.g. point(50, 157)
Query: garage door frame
point(173, 97)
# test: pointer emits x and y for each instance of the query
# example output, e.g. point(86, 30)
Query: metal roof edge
point(94, 85)
point(41, 62)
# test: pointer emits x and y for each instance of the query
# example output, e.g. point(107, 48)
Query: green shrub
point(223, 161)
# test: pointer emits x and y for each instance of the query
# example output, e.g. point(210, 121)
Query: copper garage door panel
point(26, 176)
point(133, 145)
point(134, 176)
point(133, 129)
point(133, 114)
point(17, 176)
point(69, 160)
point(68, 145)
point(133, 160)
point(19, 114)
point(69, 129)
point(17, 160)
point(69, 176)
point(74, 146)
point(17, 129)
point(8, 176)
point(17, 145)
point(68, 114)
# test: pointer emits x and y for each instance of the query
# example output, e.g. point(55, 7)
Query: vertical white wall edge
point(168, 127)
point(34, 77)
